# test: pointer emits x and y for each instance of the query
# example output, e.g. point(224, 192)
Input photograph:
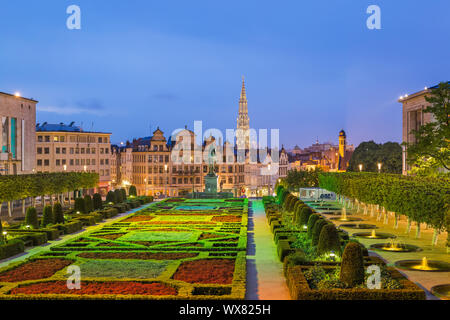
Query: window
point(58, 150)
point(77, 162)
point(180, 181)
point(40, 138)
point(93, 162)
point(39, 162)
point(107, 172)
point(174, 180)
point(102, 172)
point(101, 150)
point(93, 150)
point(185, 180)
point(46, 150)
point(106, 161)
point(161, 158)
point(62, 139)
point(161, 148)
point(63, 150)
point(102, 162)
point(106, 150)
point(166, 159)
point(58, 162)
point(71, 162)
point(46, 162)
point(72, 150)
point(39, 150)
point(82, 150)
point(47, 138)
point(99, 139)
point(77, 150)
point(88, 162)
point(63, 161)
point(88, 150)
point(150, 158)
point(82, 162)
point(197, 180)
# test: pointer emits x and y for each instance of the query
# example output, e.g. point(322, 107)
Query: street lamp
point(379, 167)
point(65, 167)
point(360, 167)
point(145, 181)
point(85, 168)
point(165, 180)
point(268, 180)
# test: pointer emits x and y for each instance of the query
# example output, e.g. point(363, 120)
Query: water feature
point(374, 235)
point(423, 265)
point(345, 218)
point(441, 291)
point(358, 226)
point(395, 246)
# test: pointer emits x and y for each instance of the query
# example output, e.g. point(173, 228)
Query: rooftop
point(61, 127)
point(18, 96)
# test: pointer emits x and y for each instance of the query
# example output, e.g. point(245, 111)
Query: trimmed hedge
point(88, 203)
point(329, 240)
point(70, 227)
point(58, 213)
point(31, 217)
point(97, 201)
point(316, 231)
point(37, 238)
point(47, 217)
point(422, 199)
point(80, 205)
point(119, 196)
point(311, 222)
point(305, 213)
point(111, 197)
point(352, 265)
point(132, 191)
point(11, 248)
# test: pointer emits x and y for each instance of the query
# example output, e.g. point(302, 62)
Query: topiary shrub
point(80, 205)
point(111, 197)
point(58, 213)
point(352, 265)
point(118, 194)
point(329, 240)
point(124, 194)
point(88, 203)
point(316, 231)
point(132, 191)
point(47, 217)
point(31, 218)
point(97, 201)
point(311, 222)
point(1, 232)
point(305, 213)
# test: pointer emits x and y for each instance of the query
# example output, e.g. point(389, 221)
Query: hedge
point(37, 238)
point(70, 227)
point(11, 248)
point(421, 199)
point(52, 233)
point(15, 187)
point(97, 201)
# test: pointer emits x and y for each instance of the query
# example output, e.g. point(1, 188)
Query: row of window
point(161, 180)
point(72, 162)
point(73, 150)
point(85, 139)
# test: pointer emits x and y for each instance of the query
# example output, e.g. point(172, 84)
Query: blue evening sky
point(312, 68)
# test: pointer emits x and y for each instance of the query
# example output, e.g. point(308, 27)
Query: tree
point(80, 205)
point(111, 197)
point(97, 200)
point(58, 213)
point(352, 265)
point(369, 154)
point(132, 191)
point(119, 198)
point(48, 217)
point(124, 194)
point(302, 179)
point(88, 203)
point(31, 218)
point(432, 140)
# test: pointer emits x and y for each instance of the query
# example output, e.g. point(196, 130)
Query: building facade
point(413, 116)
point(61, 147)
point(17, 134)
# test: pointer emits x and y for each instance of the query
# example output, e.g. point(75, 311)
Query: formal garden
point(173, 249)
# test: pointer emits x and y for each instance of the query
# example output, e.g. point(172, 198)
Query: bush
point(311, 222)
point(1, 232)
point(97, 201)
point(13, 247)
point(297, 258)
point(70, 227)
point(329, 240)
point(118, 194)
point(124, 194)
point(352, 265)
point(31, 218)
point(88, 203)
point(111, 197)
point(316, 231)
point(58, 213)
point(80, 205)
point(305, 213)
point(132, 191)
point(48, 217)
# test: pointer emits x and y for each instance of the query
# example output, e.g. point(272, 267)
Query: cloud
point(69, 110)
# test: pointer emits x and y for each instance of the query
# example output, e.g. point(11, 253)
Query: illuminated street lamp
point(85, 168)
point(165, 180)
point(360, 167)
point(379, 167)
point(65, 167)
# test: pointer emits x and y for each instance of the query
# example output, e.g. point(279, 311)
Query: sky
point(311, 68)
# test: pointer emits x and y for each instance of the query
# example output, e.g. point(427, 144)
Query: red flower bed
point(138, 218)
point(95, 288)
point(176, 222)
point(218, 271)
point(33, 270)
point(227, 218)
point(138, 255)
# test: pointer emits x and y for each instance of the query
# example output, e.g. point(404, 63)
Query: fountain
point(374, 235)
point(441, 291)
point(344, 217)
point(358, 226)
point(394, 246)
point(423, 265)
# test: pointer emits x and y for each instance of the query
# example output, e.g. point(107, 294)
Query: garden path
point(265, 280)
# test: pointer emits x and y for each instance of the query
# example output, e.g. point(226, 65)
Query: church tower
point(243, 121)
point(342, 148)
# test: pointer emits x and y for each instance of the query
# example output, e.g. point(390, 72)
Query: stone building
point(61, 147)
point(17, 134)
point(413, 116)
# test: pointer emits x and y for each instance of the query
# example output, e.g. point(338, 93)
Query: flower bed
point(36, 269)
point(158, 252)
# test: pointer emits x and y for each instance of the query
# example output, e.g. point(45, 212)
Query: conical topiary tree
point(124, 194)
point(352, 265)
point(311, 222)
point(1, 232)
point(88, 203)
point(97, 201)
point(47, 217)
point(305, 213)
point(31, 218)
point(80, 205)
point(132, 191)
point(111, 197)
point(118, 194)
point(58, 213)
point(316, 231)
point(329, 240)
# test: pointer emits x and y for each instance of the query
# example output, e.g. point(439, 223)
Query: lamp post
point(268, 181)
point(360, 167)
point(145, 182)
point(379, 167)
